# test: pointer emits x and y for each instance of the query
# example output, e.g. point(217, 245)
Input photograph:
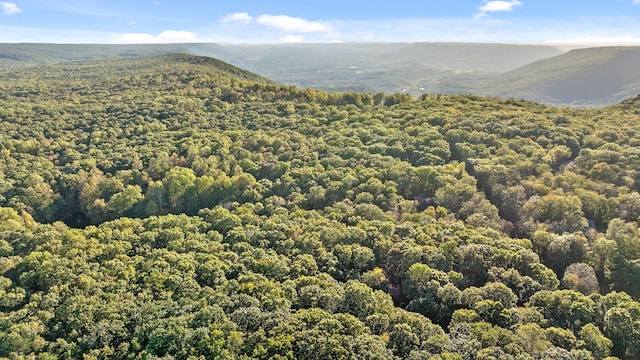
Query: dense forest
point(176, 207)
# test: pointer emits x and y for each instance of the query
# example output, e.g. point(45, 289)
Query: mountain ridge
point(581, 77)
point(592, 77)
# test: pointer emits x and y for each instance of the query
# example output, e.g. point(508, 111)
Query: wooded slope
point(179, 207)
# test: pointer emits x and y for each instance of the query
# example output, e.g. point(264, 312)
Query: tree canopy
point(178, 207)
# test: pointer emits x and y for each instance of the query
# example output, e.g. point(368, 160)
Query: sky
point(556, 22)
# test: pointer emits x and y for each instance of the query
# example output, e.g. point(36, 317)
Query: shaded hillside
point(584, 77)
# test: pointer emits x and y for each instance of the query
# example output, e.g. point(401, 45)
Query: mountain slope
point(583, 77)
point(471, 56)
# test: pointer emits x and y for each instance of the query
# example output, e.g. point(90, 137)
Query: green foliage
point(181, 208)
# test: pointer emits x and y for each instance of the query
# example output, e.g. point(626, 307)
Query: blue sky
point(560, 22)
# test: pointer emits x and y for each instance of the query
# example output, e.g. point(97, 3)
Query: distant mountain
point(469, 57)
point(12, 55)
point(120, 68)
point(584, 77)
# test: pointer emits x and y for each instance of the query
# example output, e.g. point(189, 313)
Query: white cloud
point(10, 8)
point(493, 6)
point(240, 17)
point(292, 39)
point(167, 36)
point(289, 23)
point(636, 1)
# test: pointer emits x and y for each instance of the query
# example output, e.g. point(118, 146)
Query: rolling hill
point(582, 77)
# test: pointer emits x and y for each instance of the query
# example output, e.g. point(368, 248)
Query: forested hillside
point(179, 207)
point(583, 77)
